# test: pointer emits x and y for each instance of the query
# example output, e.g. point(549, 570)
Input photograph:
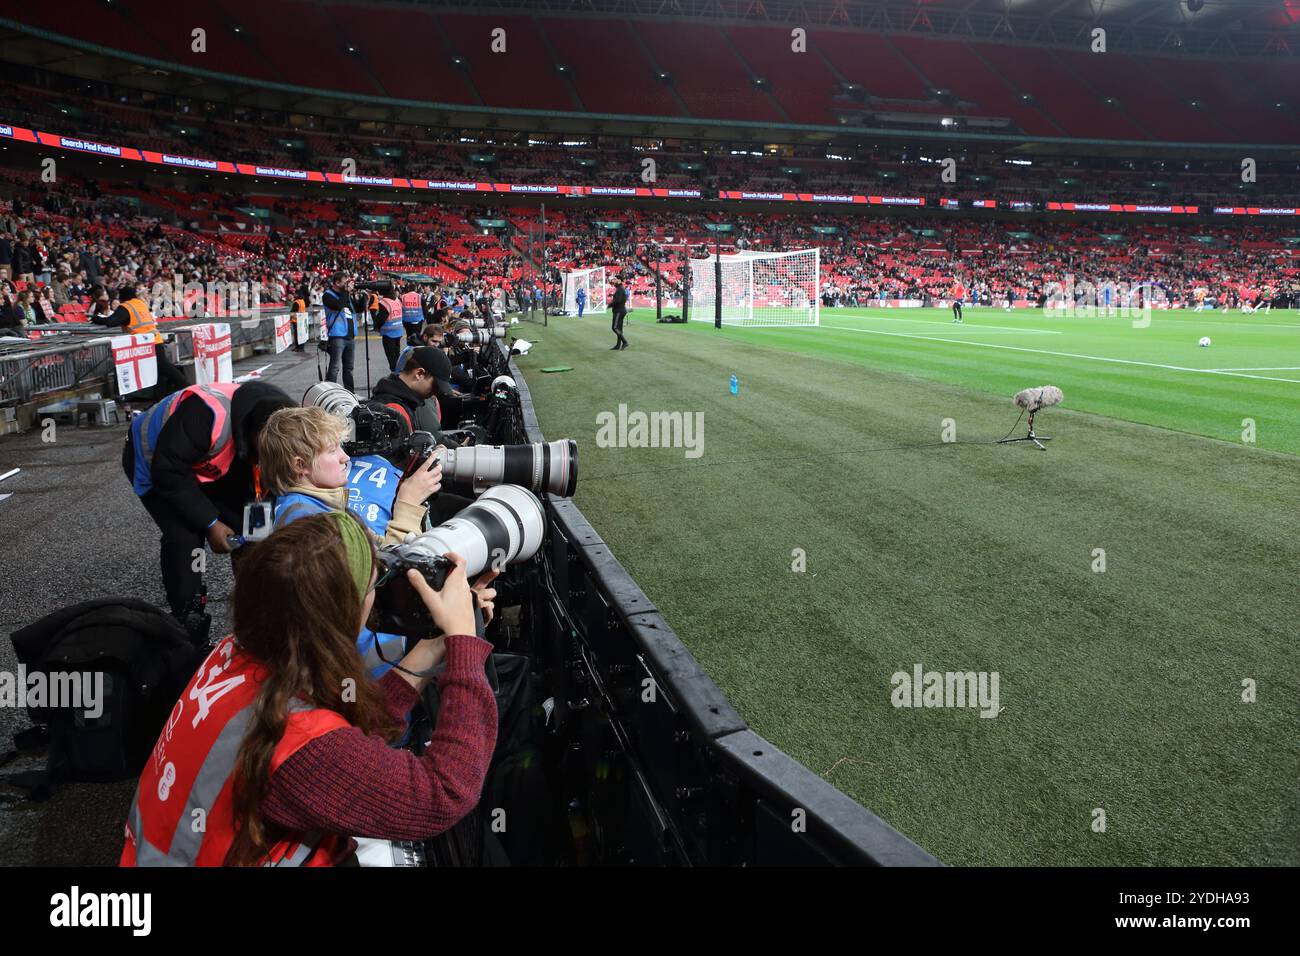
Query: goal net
point(592, 282)
point(759, 288)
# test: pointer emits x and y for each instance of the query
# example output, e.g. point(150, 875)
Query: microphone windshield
point(1032, 399)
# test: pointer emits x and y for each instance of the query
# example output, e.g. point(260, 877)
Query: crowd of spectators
point(63, 246)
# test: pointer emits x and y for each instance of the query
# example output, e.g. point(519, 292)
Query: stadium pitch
point(1132, 588)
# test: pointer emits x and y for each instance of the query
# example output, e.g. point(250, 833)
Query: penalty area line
point(1075, 355)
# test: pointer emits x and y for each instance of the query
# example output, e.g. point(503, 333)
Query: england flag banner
point(135, 362)
point(283, 332)
point(212, 361)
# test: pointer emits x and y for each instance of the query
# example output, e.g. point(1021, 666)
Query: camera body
point(373, 432)
point(504, 526)
point(398, 608)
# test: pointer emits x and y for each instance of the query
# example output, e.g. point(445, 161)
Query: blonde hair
point(292, 434)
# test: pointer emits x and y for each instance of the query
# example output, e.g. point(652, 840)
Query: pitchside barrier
point(662, 767)
point(75, 357)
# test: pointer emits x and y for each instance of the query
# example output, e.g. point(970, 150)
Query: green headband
point(356, 546)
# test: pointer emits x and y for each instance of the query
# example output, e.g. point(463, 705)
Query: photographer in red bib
point(281, 742)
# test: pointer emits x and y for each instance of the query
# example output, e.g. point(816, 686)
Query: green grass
point(1122, 689)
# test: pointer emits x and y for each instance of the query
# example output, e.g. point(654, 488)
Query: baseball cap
point(432, 360)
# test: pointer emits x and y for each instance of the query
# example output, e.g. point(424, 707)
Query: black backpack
point(133, 657)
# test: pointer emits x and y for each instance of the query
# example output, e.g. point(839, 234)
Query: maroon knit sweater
point(347, 782)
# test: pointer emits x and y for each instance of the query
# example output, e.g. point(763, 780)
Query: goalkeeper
point(581, 298)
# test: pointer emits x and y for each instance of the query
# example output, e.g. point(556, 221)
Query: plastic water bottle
point(735, 386)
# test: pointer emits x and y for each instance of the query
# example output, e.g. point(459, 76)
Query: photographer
point(413, 315)
point(190, 458)
point(392, 329)
point(340, 329)
point(413, 389)
point(314, 767)
point(305, 468)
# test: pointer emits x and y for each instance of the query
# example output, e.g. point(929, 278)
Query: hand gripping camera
point(504, 526)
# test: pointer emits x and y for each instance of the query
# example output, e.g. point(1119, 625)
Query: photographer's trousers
point(342, 353)
point(393, 346)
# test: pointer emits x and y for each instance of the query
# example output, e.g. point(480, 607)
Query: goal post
point(759, 288)
point(592, 282)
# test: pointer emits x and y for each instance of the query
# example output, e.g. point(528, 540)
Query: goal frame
point(703, 278)
point(571, 282)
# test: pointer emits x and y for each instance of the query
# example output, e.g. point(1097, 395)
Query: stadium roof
point(1264, 29)
point(1208, 27)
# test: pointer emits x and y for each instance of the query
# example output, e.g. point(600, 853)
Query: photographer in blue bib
point(307, 471)
point(340, 329)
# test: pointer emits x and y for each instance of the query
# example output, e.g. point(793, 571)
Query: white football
point(1205, 342)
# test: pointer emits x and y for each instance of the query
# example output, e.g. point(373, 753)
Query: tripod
point(1036, 439)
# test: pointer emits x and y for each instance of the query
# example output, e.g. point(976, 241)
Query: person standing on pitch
point(958, 295)
point(341, 329)
point(619, 304)
point(581, 298)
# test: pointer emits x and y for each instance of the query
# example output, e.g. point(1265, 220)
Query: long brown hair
point(296, 610)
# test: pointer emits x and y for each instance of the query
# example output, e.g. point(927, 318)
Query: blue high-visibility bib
point(372, 489)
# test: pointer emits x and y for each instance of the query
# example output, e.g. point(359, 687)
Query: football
point(1205, 342)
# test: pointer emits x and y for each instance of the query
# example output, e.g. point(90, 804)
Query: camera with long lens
point(504, 526)
point(371, 431)
point(383, 287)
point(480, 337)
point(539, 467)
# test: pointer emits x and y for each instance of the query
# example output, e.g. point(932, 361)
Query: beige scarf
point(336, 498)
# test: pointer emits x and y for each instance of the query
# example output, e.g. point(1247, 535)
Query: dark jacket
point(119, 317)
point(184, 442)
point(619, 300)
point(11, 317)
point(424, 413)
point(91, 264)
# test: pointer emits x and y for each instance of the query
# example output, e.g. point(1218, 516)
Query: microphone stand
point(1035, 438)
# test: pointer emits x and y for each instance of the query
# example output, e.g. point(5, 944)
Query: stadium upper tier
point(702, 70)
point(117, 115)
